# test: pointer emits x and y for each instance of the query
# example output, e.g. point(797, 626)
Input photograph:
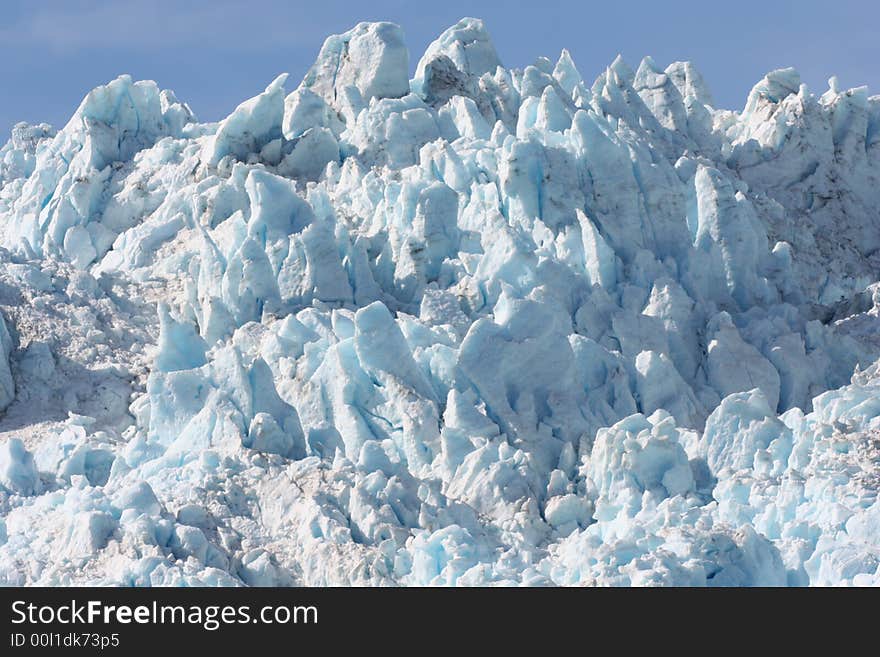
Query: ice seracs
point(482, 326)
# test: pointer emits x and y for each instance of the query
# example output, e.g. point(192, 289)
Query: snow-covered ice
point(481, 326)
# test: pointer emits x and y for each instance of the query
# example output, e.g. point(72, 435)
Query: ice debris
point(484, 326)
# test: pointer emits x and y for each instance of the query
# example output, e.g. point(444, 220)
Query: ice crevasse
point(479, 326)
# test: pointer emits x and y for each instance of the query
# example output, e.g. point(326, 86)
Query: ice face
point(17, 471)
point(7, 385)
point(466, 46)
point(484, 326)
point(371, 57)
point(253, 126)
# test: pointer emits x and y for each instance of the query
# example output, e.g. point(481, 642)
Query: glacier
point(481, 326)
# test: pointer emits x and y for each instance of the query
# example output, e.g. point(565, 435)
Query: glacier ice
point(481, 326)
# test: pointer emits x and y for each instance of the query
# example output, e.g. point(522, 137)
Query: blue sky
point(214, 54)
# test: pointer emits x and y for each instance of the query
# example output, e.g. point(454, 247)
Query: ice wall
point(487, 325)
